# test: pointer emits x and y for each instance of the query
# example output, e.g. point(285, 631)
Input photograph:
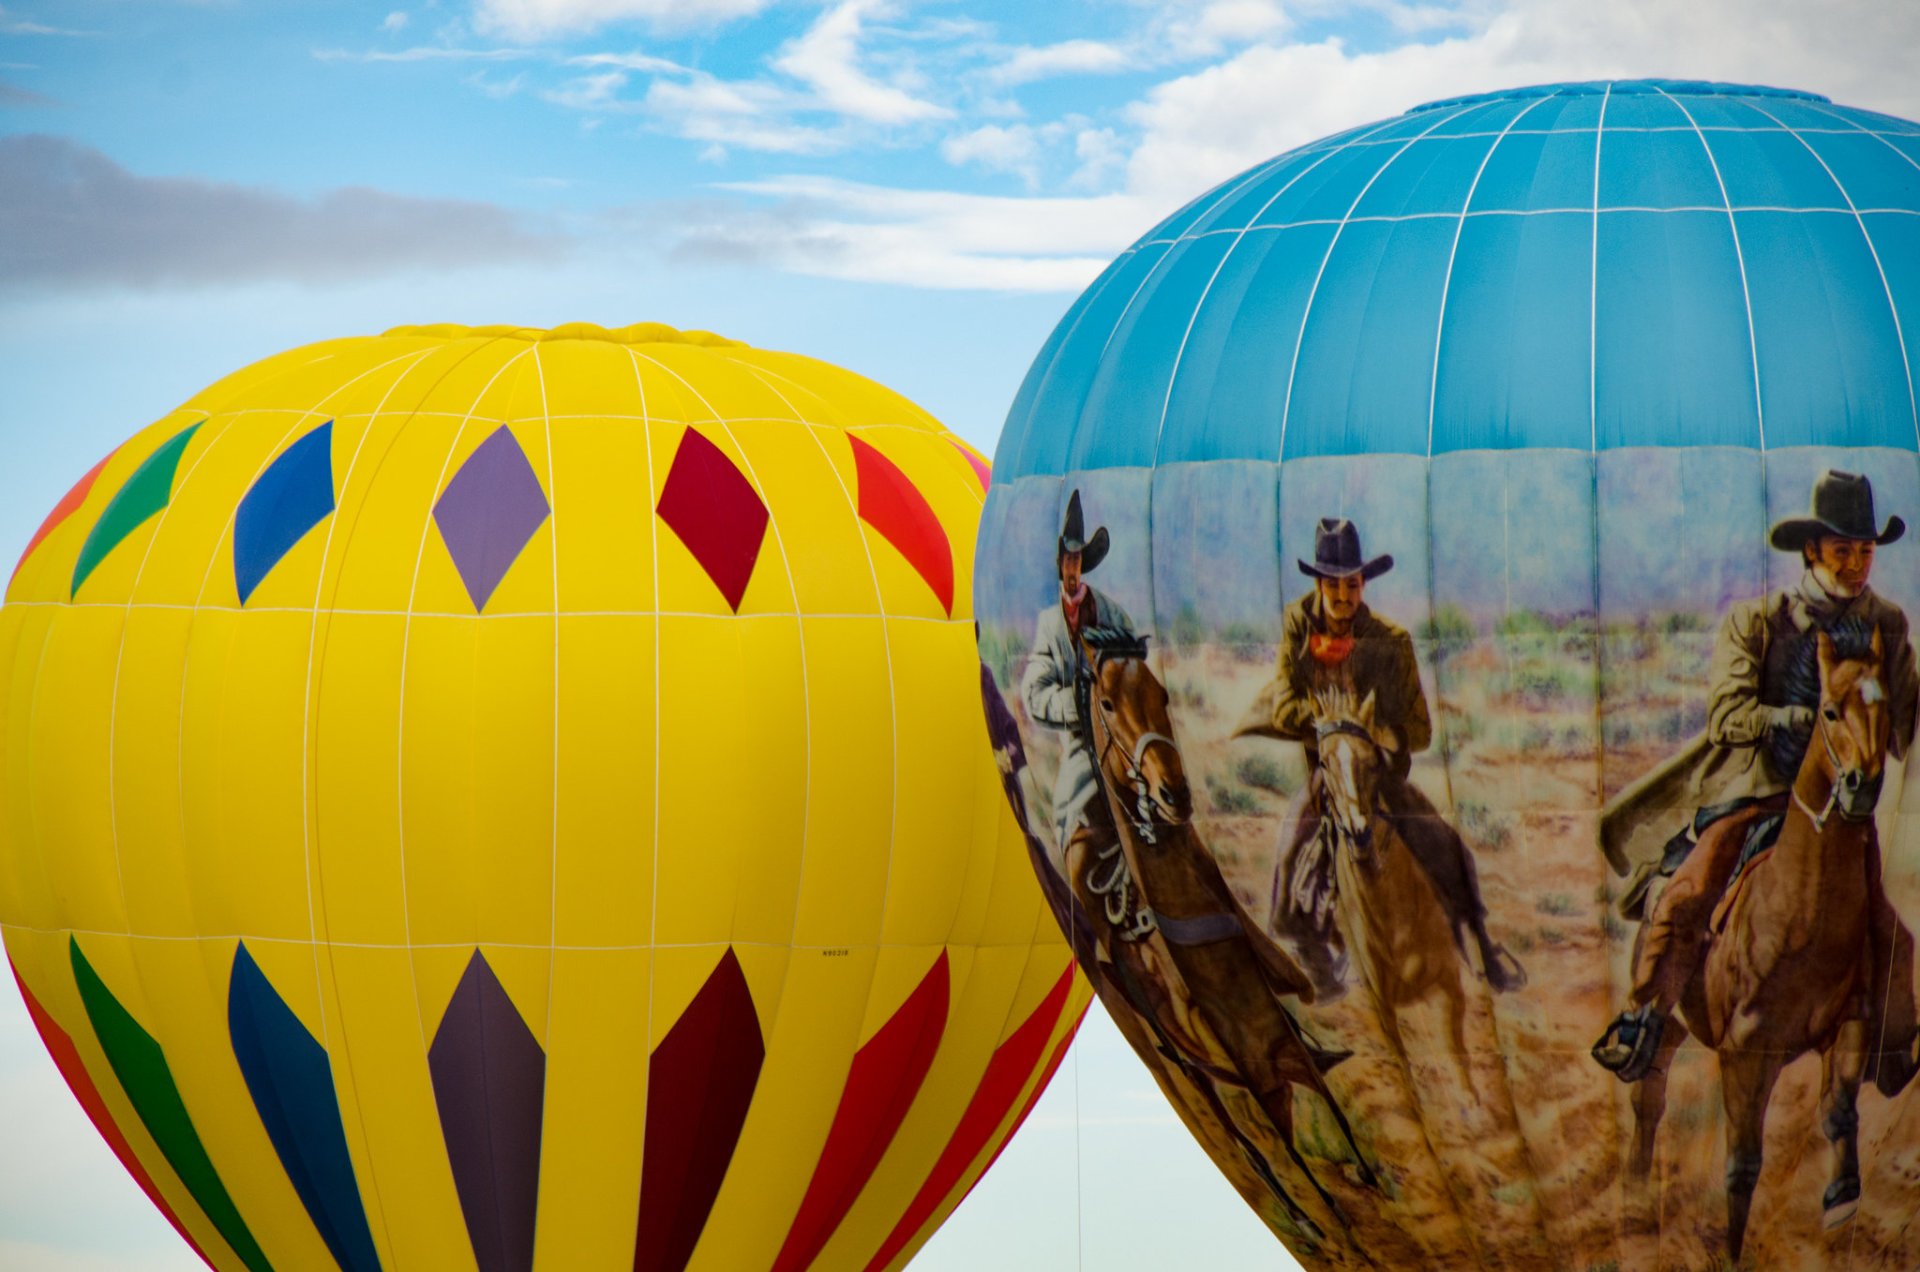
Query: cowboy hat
point(1842, 505)
point(1336, 553)
point(1073, 538)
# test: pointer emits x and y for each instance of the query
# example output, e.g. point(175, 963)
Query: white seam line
point(1740, 259)
point(1306, 312)
point(1446, 281)
point(147, 606)
point(1886, 286)
point(1593, 286)
point(1193, 318)
point(553, 556)
point(653, 542)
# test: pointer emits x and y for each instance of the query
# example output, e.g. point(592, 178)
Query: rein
point(1827, 810)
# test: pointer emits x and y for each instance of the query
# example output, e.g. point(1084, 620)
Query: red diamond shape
point(716, 513)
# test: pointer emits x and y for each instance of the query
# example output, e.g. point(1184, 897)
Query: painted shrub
point(1590, 363)
point(479, 798)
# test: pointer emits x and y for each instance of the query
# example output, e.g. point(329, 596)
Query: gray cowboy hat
point(1337, 555)
point(1842, 505)
point(1073, 538)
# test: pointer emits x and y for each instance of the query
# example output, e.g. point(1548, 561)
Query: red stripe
point(61, 511)
point(895, 507)
point(1039, 1089)
point(1007, 1073)
point(67, 1059)
point(981, 468)
point(881, 1086)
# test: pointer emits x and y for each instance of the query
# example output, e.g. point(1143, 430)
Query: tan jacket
point(1728, 760)
point(1382, 663)
point(1742, 709)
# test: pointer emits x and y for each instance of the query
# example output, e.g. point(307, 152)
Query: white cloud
point(1013, 149)
point(742, 114)
point(424, 53)
point(1069, 57)
point(1189, 30)
point(395, 21)
point(826, 58)
point(11, 25)
point(546, 19)
point(931, 238)
point(627, 62)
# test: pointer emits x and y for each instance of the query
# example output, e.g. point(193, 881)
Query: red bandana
point(1329, 650)
point(1072, 607)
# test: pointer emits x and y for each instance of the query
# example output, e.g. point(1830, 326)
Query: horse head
point(1852, 727)
point(1352, 763)
point(1132, 730)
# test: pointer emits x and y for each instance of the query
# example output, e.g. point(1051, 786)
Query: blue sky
point(913, 188)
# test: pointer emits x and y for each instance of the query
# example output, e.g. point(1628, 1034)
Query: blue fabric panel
point(1206, 209)
point(1058, 399)
point(1873, 121)
point(1806, 115)
point(1720, 113)
point(1830, 365)
point(1431, 175)
point(1570, 112)
point(1327, 191)
point(1871, 173)
point(1896, 237)
point(1772, 170)
point(1643, 110)
point(1120, 425)
point(1515, 348)
point(1489, 118)
point(1233, 378)
point(1656, 170)
point(1021, 421)
point(1366, 359)
point(291, 1082)
point(1544, 170)
point(1674, 361)
point(1245, 204)
point(291, 497)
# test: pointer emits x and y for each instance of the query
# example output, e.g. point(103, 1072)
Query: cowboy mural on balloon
point(1373, 789)
point(1764, 919)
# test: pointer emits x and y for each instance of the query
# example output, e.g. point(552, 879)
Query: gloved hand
point(1797, 719)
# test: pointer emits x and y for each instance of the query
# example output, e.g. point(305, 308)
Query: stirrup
point(1628, 1047)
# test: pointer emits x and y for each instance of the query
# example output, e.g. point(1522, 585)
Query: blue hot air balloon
point(1451, 584)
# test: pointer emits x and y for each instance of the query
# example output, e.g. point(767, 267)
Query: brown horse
point(1789, 967)
point(1236, 1031)
point(1384, 902)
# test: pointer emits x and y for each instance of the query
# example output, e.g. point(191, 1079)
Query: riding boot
point(1628, 1047)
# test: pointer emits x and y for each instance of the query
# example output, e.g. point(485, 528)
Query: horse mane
point(1852, 639)
point(1113, 642)
point(1339, 701)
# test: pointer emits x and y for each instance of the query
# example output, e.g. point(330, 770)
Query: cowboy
point(1740, 773)
point(1053, 690)
point(1331, 638)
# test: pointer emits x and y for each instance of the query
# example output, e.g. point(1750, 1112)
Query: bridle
point(1141, 817)
point(1870, 789)
point(1322, 730)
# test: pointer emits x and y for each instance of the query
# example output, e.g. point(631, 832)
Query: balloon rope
point(1079, 1219)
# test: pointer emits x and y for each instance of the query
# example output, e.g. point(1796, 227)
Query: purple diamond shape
point(489, 511)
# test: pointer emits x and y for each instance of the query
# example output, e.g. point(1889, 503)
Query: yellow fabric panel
point(477, 757)
point(944, 478)
point(604, 880)
point(154, 859)
point(936, 678)
point(68, 789)
point(527, 976)
point(603, 515)
point(720, 387)
point(357, 864)
point(819, 534)
point(765, 770)
point(395, 1129)
point(678, 973)
point(595, 1111)
point(851, 781)
point(26, 895)
point(242, 730)
point(189, 560)
point(998, 904)
point(703, 816)
point(858, 400)
point(810, 1046)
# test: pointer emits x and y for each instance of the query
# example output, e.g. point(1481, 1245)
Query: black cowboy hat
point(1336, 553)
point(1073, 538)
point(1842, 505)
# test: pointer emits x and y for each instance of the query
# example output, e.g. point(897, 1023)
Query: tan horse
point(1392, 919)
point(1789, 969)
point(1236, 1031)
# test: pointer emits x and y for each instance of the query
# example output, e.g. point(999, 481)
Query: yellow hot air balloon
point(498, 798)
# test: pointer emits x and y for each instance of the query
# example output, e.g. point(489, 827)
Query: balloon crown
point(1633, 87)
point(633, 333)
